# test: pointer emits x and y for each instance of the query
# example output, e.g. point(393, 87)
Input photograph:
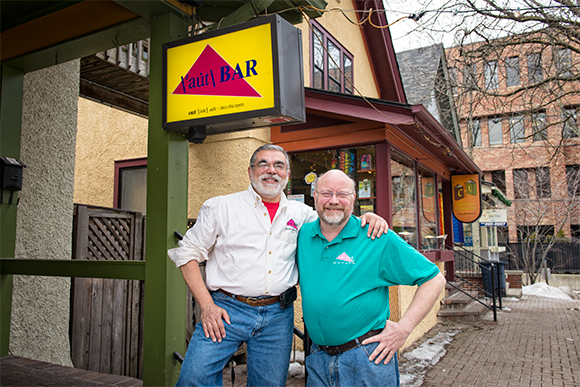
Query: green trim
point(498, 194)
point(134, 270)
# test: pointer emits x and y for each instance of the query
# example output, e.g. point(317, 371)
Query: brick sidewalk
point(537, 343)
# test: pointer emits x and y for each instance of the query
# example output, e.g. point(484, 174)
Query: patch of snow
point(422, 358)
point(296, 370)
point(544, 290)
point(515, 299)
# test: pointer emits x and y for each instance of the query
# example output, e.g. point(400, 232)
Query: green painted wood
point(167, 175)
point(11, 90)
point(134, 270)
point(243, 14)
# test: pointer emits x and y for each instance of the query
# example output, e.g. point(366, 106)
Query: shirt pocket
point(289, 236)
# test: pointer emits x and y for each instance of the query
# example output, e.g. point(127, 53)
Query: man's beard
point(333, 218)
point(268, 190)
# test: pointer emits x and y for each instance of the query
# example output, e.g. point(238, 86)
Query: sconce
point(10, 176)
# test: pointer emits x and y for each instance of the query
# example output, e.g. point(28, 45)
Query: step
point(457, 300)
point(470, 313)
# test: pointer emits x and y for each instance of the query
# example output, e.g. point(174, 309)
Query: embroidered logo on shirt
point(292, 224)
point(345, 259)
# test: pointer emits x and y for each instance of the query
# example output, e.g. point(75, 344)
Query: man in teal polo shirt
point(344, 280)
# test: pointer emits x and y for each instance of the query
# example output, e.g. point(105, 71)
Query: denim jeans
point(351, 368)
point(267, 332)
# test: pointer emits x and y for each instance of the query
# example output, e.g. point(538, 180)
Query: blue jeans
point(351, 368)
point(267, 332)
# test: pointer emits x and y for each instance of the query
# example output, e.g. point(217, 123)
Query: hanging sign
point(236, 78)
point(493, 217)
point(466, 192)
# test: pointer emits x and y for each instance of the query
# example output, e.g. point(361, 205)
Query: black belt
point(253, 301)
point(338, 349)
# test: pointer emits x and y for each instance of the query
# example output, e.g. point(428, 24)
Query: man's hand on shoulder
point(390, 340)
point(212, 319)
point(377, 225)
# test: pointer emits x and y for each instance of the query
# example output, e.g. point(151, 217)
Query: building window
point(517, 132)
point(498, 178)
point(512, 68)
point(539, 126)
point(491, 75)
point(535, 72)
point(332, 64)
point(563, 59)
point(428, 209)
point(543, 185)
point(573, 180)
point(521, 185)
point(131, 185)
point(570, 122)
point(404, 198)
point(495, 131)
point(453, 79)
point(470, 76)
point(474, 132)
point(575, 231)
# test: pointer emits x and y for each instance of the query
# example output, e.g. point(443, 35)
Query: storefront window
point(358, 163)
point(428, 209)
point(404, 202)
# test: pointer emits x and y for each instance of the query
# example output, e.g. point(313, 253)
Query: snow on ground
point(544, 290)
point(424, 357)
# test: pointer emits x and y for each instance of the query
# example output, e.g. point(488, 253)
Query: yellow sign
point(225, 74)
point(466, 193)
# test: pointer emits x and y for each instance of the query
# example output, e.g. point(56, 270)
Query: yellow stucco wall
point(104, 134)
point(350, 36)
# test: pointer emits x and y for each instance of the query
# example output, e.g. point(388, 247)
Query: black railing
point(470, 265)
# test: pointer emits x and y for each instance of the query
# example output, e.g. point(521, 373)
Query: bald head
point(334, 198)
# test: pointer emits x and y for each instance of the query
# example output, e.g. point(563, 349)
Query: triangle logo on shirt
point(345, 258)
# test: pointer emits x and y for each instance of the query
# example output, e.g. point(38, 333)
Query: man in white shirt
point(249, 242)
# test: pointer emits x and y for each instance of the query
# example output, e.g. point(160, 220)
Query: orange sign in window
point(466, 191)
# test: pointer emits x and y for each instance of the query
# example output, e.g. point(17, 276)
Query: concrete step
point(472, 312)
point(457, 300)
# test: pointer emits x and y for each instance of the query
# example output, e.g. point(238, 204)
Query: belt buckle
point(252, 301)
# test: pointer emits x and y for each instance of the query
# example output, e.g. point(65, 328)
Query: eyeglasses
point(278, 165)
point(330, 194)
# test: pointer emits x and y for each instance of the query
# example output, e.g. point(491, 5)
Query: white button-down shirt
point(246, 253)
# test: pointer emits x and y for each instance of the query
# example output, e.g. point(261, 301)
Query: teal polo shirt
point(344, 283)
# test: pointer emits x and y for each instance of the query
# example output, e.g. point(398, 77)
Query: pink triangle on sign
point(212, 75)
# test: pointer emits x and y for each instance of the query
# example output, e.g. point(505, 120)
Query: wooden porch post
point(167, 173)
point(11, 89)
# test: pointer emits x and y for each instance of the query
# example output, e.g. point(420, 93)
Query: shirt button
point(270, 272)
point(267, 292)
point(269, 252)
point(265, 214)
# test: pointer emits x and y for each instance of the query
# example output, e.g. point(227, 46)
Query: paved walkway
point(536, 342)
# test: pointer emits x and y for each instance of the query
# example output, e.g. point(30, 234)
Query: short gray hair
point(269, 147)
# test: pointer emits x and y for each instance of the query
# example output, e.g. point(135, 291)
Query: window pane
point(521, 187)
point(428, 210)
point(498, 178)
point(334, 75)
point(318, 59)
point(495, 131)
point(475, 132)
point(517, 133)
point(133, 192)
point(570, 125)
point(573, 180)
point(543, 184)
point(403, 190)
point(535, 73)
point(564, 62)
point(470, 76)
point(348, 88)
point(491, 76)
point(318, 79)
point(512, 67)
point(539, 126)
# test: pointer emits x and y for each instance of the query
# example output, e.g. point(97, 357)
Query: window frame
point(512, 69)
point(535, 70)
point(491, 75)
point(518, 120)
point(543, 186)
point(496, 121)
point(570, 124)
point(119, 166)
point(326, 62)
point(539, 126)
point(521, 183)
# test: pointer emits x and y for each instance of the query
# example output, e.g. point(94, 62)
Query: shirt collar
point(350, 230)
point(257, 199)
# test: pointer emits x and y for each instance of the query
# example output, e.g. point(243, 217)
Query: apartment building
point(518, 105)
